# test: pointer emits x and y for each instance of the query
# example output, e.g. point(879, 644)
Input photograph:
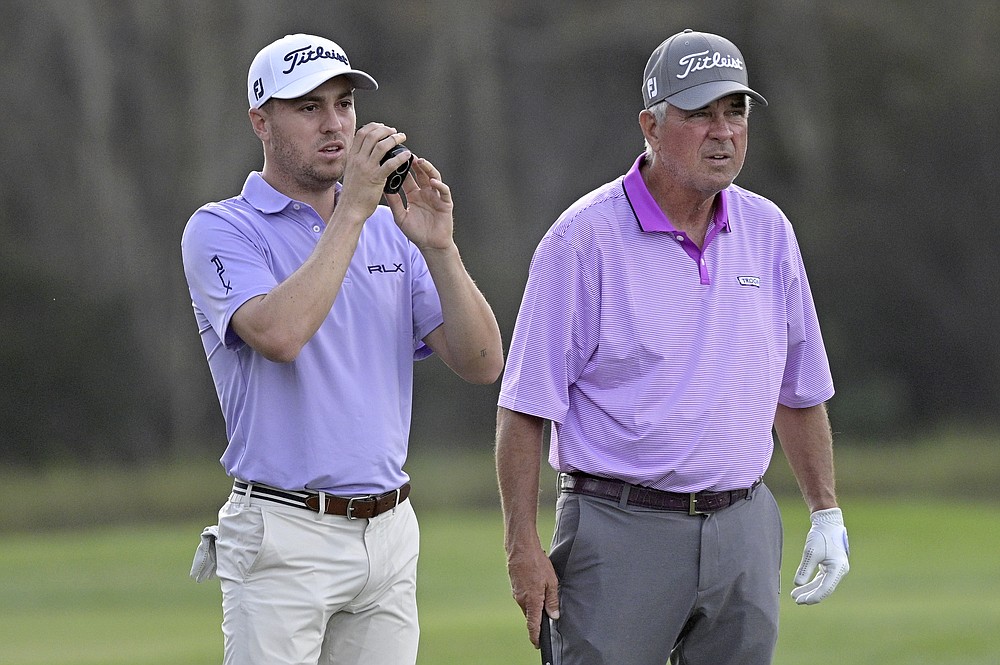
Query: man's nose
point(332, 121)
point(721, 126)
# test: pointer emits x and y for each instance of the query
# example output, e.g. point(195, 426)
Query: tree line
point(124, 117)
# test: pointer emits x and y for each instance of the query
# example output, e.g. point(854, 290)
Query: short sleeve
point(225, 267)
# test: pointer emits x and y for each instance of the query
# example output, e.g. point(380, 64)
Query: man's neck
point(687, 210)
point(321, 200)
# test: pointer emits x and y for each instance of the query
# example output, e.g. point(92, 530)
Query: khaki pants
point(303, 588)
point(643, 587)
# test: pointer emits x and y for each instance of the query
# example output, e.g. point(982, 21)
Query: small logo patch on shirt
point(747, 280)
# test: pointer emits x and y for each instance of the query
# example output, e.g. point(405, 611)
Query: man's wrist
point(441, 255)
point(827, 516)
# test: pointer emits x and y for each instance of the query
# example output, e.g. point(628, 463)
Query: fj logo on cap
point(695, 62)
point(258, 88)
point(651, 88)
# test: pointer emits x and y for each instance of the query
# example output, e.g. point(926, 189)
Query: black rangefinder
point(395, 180)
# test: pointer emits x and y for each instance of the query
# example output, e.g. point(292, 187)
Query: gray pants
point(639, 586)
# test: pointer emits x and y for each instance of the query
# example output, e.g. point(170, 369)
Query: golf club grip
point(545, 639)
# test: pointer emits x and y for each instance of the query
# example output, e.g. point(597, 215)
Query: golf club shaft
point(545, 639)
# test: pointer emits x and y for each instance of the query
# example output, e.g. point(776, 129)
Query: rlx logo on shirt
point(221, 270)
point(380, 267)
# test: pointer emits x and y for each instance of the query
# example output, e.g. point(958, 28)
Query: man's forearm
point(807, 442)
point(518, 460)
point(469, 340)
point(278, 324)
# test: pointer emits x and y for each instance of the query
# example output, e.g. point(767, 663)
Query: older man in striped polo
point(667, 325)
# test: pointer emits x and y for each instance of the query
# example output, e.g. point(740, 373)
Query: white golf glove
point(826, 550)
point(203, 566)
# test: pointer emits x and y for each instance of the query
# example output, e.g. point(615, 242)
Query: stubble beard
point(299, 171)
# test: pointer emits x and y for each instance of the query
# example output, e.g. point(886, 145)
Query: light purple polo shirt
point(658, 363)
point(336, 419)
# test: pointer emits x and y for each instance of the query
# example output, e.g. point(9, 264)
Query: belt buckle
point(693, 505)
point(350, 506)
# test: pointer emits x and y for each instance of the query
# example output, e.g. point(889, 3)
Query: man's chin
point(324, 178)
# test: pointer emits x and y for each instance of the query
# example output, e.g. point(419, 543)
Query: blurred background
point(122, 117)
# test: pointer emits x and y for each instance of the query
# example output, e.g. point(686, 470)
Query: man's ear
point(258, 120)
point(647, 122)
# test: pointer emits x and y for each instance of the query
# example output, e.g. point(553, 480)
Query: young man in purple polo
point(313, 301)
point(667, 325)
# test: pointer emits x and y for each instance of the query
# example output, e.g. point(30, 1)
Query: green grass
point(93, 563)
point(105, 596)
point(922, 589)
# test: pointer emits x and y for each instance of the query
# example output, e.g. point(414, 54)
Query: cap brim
point(700, 96)
point(306, 84)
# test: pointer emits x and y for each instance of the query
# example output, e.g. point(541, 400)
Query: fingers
point(532, 606)
point(552, 603)
point(427, 170)
point(824, 552)
point(534, 586)
point(533, 621)
point(424, 173)
point(832, 565)
point(826, 543)
point(807, 566)
point(375, 139)
point(806, 594)
point(821, 586)
point(533, 616)
point(372, 142)
point(426, 176)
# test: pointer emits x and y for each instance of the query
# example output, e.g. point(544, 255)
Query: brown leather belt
point(355, 507)
point(694, 503)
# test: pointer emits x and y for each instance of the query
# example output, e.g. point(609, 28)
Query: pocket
point(764, 492)
point(240, 542)
point(566, 528)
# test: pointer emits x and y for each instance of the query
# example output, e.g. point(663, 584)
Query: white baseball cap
point(297, 64)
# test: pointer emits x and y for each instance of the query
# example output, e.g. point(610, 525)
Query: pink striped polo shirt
point(659, 363)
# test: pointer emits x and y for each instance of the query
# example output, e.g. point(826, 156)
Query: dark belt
point(694, 503)
point(355, 507)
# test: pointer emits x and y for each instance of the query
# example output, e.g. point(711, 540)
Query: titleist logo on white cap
point(307, 54)
point(297, 64)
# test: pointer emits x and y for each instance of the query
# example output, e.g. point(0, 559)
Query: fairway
point(922, 589)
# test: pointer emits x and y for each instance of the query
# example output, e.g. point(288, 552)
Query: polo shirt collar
point(648, 212)
point(265, 198)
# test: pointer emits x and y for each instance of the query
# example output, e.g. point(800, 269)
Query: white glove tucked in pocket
point(203, 566)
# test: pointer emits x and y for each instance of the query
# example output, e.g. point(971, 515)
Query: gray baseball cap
point(693, 69)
